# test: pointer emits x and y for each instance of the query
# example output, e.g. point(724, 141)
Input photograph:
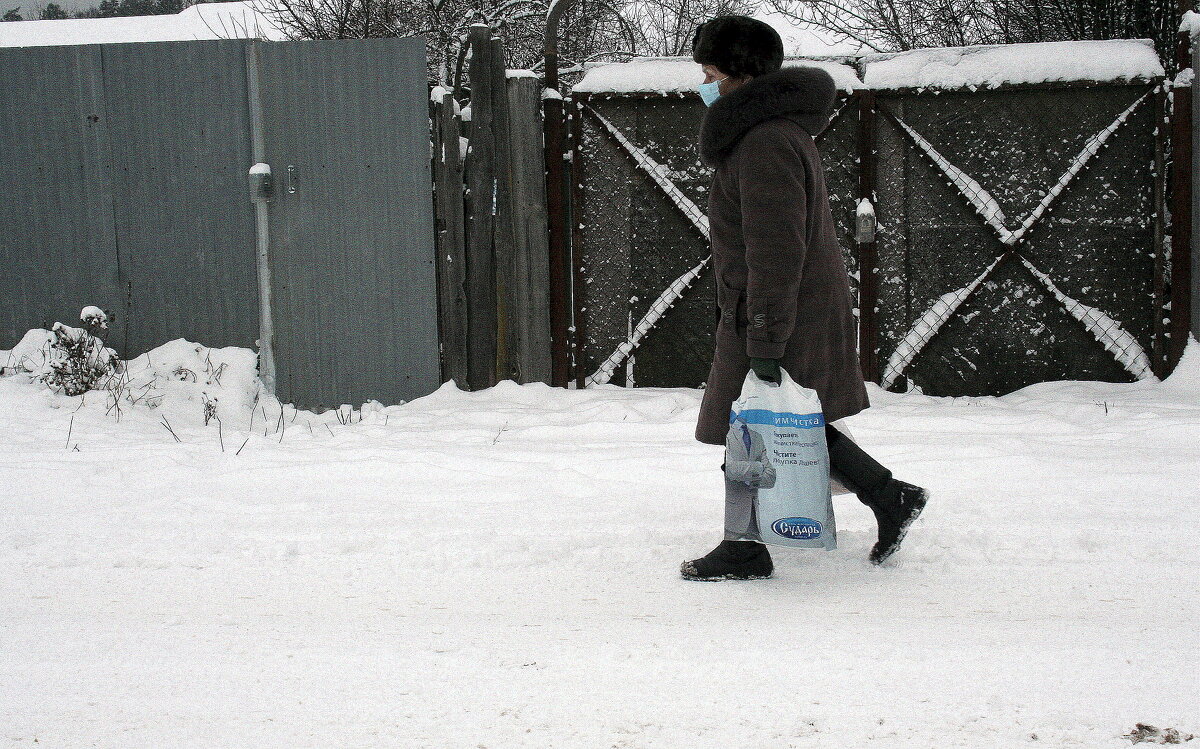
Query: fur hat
point(738, 46)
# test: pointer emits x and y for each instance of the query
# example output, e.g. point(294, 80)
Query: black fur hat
point(738, 46)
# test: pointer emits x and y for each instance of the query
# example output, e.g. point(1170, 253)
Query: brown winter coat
point(782, 286)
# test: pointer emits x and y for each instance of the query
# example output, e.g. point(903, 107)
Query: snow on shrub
point(180, 384)
point(78, 360)
point(180, 380)
point(69, 360)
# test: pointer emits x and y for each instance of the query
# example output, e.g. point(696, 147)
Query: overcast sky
point(805, 41)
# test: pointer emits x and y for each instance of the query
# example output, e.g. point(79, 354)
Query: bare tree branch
point(896, 25)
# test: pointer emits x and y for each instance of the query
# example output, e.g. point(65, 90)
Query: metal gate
point(125, 183)
point(1020, 234)
point(641, 246)
point(1018, 240)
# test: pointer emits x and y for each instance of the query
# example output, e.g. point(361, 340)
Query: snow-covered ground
point(499, 569)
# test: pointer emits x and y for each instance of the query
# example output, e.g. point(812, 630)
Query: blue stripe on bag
point(778, 418)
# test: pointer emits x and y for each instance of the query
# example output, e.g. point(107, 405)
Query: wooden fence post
point(1159, 342)
point(503, 239)
point(529, 329)
point(556, 202)
point(868, 263)
point(574, 109)
point(481, 270)
point(1182, 186)
point(451, 230)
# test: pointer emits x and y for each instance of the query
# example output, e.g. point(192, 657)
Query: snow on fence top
point(983, 66)
point(990, 66)
point(1191, 23)
point(232, 20)
point(679, 74)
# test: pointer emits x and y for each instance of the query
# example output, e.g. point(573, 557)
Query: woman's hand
point(766, 369)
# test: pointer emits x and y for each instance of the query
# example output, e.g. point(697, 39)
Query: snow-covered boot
point(896, 505)
point(731, 560)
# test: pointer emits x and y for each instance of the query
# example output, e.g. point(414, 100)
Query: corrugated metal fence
point(124, 185)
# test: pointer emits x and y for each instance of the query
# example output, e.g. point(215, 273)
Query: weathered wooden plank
point(579, 283)
point(451, 259)
point(555, 136)
point(481, 177)
point(1160, 345)
point(504, 240)
point(1185, 311)
point(868, 268)
point(531, 298)
point(1193, 168)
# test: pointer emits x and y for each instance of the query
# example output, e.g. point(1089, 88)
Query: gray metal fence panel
point(178, 119)
point(352, 222)
point(57, 247)
point(124, 185)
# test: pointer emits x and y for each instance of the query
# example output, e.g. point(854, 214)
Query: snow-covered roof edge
point(991, 66)
point(665, 75)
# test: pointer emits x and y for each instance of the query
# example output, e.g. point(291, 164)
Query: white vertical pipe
point(266, 325)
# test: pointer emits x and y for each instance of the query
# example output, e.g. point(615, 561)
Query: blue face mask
point(710, 92)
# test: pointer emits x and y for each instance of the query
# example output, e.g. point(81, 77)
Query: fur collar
point(804, 94)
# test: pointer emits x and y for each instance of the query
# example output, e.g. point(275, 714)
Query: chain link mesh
point(644, 249)
point(1003, 199)
point(1015, 238)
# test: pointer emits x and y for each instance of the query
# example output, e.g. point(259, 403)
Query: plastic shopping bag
point(777, 466)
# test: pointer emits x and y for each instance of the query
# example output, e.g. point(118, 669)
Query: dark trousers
point(851, 465)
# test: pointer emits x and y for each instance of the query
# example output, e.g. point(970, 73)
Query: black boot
point(896, 506)
point(731, 560)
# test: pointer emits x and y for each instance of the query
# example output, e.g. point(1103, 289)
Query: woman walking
point(782, 288)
